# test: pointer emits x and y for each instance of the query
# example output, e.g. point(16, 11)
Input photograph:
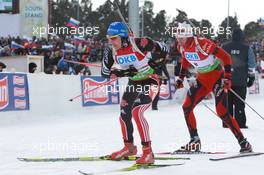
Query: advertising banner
point(14, 93)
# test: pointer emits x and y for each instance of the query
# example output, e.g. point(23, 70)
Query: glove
point(132, 71)
point(164, 81)
point(226, 84)
point(250, 81)
point(156, 62)
point(179, 83)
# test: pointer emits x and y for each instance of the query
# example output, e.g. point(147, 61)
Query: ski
point(189, 152)
point(95, 158)
point(132, 168)
point(237, 156)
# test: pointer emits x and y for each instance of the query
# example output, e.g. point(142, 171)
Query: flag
point(73, 23)
point(77, 40)
point(15, 45)
point(26, 39)
point(47, 46)
point(69, 46)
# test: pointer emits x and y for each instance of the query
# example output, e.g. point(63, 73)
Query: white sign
point(34, 14)
point(6, 5)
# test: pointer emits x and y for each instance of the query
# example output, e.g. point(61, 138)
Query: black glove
point(164, 81)
point(132, 71)
point(250, 81)
point(156, 61)
point(179, 83)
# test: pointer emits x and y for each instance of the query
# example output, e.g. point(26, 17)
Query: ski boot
point(129, 150)
point(194, 145)
point(245, 146)
point(147, 157)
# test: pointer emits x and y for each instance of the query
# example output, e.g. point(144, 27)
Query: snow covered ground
point(96, 131)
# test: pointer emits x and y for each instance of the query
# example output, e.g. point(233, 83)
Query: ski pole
point(87, 92)
point(103, 84)
point(210, 109)
point(115, 5)
point(185, 16)
point(82, 63)
point(240, 98)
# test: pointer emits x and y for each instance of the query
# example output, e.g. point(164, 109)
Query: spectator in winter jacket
point(64, 66)
point(2, 66)
point(243, 74)
point(32, 67)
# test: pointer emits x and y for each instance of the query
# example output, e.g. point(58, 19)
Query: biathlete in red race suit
point(213, 67)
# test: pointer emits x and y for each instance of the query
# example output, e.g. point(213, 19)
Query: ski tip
point(20, 159)
point(23, 159)
point(163, 153)
point(177, 164)
point(81, 172)
point(239, 155)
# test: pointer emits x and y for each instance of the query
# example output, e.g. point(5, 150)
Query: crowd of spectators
point(55, 51)
point(258, 48)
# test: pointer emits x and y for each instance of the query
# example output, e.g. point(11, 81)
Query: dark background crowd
point(55, 50)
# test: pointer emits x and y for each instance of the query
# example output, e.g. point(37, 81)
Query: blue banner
point(14, 93)
point(104, 95)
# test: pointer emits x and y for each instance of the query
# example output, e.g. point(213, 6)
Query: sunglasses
point(112, 37)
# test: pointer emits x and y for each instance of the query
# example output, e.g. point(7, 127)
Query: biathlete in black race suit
point(136, 58)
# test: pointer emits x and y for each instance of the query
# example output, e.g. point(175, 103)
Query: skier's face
point(184, 41)
point(116, 42)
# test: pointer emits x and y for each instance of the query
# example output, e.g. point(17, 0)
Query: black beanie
point(237, 35)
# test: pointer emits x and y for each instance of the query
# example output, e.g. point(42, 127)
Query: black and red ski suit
point(140, 90)
point(213, 65)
